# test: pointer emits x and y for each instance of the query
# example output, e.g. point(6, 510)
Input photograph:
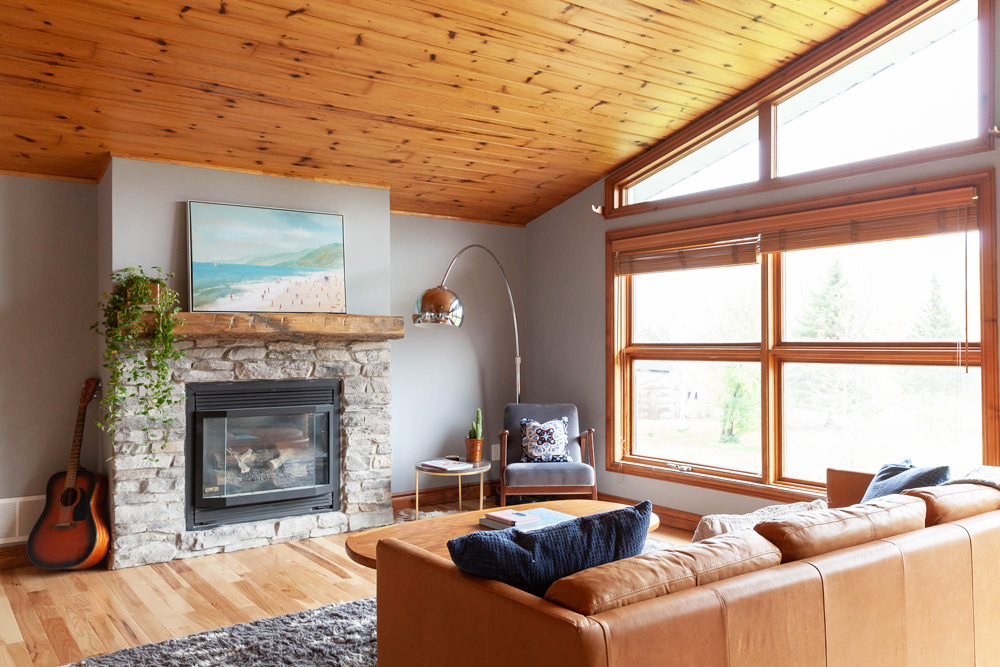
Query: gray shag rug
point(337, 635)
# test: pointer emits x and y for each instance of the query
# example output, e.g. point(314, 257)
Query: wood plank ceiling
point(493, 110)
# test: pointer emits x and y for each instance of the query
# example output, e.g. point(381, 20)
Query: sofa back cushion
point(956, 501)
point(818, 532)
point(664, 572)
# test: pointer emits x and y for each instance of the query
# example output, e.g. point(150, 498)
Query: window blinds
point(725, 253)
point(927, 214)
point(950, 220)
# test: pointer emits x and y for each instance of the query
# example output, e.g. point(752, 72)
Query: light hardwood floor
point(51, 618)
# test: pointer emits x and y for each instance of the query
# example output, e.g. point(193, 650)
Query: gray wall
point(149, 220)
point(48, 259)
point(440, 376)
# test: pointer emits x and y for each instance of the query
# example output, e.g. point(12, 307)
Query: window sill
point(781, 493)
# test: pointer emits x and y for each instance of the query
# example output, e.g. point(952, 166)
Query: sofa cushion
point(898, 477)
point(532, 560)
point(712, 525)
point(818, 532)
point(664, 572)
point(548, 474)
point(956, 501)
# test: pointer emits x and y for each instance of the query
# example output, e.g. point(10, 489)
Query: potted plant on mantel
point(474, 443)
point(138, 352)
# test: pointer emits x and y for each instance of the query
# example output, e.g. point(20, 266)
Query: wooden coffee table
point(433, 534)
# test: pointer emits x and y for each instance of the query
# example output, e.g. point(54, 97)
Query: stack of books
point(447, 465)
point(508, 519)
point(538, 517)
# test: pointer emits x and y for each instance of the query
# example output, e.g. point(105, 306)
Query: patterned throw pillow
point(545, 443)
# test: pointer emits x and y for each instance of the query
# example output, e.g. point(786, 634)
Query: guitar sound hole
point(69, 497)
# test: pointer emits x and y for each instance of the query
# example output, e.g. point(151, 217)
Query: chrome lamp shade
point(438, 306)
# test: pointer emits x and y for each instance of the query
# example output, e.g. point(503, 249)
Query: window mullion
point(770, 334)
point(767, 140)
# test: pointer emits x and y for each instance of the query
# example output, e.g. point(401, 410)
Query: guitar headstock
point(90, 388)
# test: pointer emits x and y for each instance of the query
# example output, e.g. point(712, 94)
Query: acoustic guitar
point(72, 532)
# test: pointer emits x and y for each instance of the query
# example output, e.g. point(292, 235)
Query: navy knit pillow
point(533, 560)
point(898, 477)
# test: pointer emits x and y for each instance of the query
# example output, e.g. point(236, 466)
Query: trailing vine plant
point(138, 358)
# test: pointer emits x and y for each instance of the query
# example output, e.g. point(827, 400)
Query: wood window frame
point(761, 101)
point(771, 352)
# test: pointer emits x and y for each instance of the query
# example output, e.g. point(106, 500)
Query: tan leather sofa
point(906, 581)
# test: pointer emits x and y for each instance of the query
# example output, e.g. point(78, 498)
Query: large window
point(912, 83)
point(757, 353)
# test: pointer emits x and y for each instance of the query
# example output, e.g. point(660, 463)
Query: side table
point(480, 469)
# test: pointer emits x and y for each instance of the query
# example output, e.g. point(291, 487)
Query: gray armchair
point(572, 477)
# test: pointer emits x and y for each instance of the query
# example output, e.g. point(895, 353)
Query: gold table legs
point(416, 493)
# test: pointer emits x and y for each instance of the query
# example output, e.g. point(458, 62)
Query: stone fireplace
point(151, 502)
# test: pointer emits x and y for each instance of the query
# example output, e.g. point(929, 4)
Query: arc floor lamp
point(439, 306)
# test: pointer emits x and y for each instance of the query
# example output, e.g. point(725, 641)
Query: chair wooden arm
point(503, 450)
point(588, 437)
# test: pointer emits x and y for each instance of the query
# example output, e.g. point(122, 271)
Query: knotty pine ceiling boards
point(476, 109)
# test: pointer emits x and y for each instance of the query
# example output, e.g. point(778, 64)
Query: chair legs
point(546, 491)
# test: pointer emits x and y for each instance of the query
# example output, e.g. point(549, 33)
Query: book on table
point(544, 518)
point(512, 517)
point(447, 465)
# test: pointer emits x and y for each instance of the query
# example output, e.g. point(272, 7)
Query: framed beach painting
point(250, 259)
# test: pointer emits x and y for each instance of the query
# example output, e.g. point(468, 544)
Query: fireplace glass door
point(257, 455)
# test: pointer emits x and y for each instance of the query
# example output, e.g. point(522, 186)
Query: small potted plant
point(474, 443)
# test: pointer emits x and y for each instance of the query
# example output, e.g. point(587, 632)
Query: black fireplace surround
point(261, 450)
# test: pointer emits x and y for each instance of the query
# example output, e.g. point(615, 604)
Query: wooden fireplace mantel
point(275, 326)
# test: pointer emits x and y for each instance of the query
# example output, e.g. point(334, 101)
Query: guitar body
point(72, 533)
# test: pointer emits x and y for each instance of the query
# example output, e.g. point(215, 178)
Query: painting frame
point(196, 281)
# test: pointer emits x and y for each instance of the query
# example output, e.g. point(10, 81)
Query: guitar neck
point(87, 395)
point(74, 453)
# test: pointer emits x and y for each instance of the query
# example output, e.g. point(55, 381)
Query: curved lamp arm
point(513, 312)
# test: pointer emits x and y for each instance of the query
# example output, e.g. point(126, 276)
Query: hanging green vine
point(136, 357)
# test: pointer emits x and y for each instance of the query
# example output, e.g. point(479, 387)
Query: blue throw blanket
point(983, 475)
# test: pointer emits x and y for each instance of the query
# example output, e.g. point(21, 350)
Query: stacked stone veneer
point(148, 494)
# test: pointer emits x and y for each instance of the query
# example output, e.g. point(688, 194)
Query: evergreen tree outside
point(832, 314)
point(935, 321)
